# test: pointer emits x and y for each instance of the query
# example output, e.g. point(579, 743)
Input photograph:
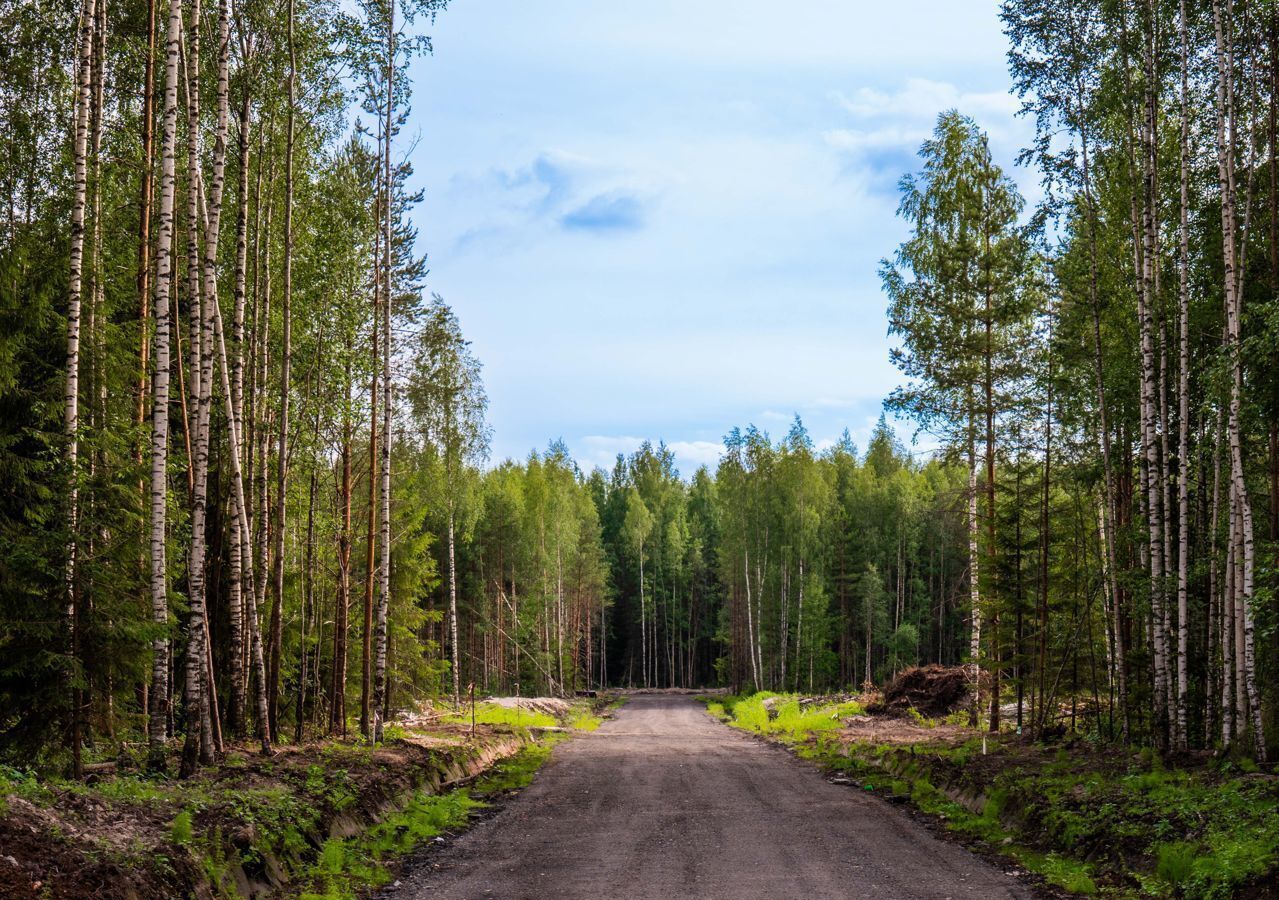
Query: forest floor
point(326, 818)
point(1084, 817)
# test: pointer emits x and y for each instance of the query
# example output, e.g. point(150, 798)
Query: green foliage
point(516, 771)
point(1175, 862)
point(346, 865)
point(182, 831)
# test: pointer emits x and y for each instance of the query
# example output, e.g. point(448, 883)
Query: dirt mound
point(931, 690)
point(551, 706)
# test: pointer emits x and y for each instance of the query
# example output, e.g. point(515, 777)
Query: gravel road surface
point(665, 802)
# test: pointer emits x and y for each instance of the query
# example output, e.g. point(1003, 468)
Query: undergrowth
point(1088, 820)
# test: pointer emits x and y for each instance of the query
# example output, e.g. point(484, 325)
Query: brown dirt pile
point(934, 691)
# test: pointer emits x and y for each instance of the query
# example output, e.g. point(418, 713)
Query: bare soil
point(86, 843)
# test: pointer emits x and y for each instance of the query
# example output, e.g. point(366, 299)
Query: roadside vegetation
point(1088, 817)
point(326, 819)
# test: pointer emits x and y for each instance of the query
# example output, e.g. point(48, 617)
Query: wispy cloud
point(556, 190)
point(613, 211)
point(888, 125)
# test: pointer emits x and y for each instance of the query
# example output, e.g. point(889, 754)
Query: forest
point(246, 491)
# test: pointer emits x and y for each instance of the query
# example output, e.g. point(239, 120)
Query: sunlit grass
point(585, 721)
point(493, 714)
point(788, 720)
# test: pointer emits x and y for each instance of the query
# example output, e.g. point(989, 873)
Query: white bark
point(974, 586)
point(750, 627)
point(1183, 397)
point(384, 572)
point(159, 695)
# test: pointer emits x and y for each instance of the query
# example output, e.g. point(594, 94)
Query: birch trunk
point(341, 628)
point(457, 672)
point(194, 692)
point(159, 694)
point(1180, 730)
point(144, 221)
point(286, 364)
point(237, 570)
point(644, 620)
point(71, 397)
point(974, 590)
point(1240, 505)
point(750, 628)
point(1146, 297)
point(384, 574)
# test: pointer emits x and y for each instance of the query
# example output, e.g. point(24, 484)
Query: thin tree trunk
point(159, 694)
point(341, 628)
point(1240, 506)
point(1146, 298)
point(286, 363)
point(144, 220)
point(974, 581)
point(308, 601)
point(750, 628)
point(457, 656)
point(380, 692)
point(71, 405)
point(1180, 731)
point(236, 649)
point(366, 682)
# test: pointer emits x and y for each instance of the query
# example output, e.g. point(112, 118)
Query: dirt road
point(664, 802)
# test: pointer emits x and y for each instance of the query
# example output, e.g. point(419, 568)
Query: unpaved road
point(665, 802)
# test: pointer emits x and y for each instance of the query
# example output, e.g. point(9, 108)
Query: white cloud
point(922, 97)
point(600, 451)
point(887, 126)
point(703, 453)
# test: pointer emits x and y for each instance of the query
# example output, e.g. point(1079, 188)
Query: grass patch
point(492, 714)
point(516, 771)
point(346, 866)
point(585, 721)
point(781, 715)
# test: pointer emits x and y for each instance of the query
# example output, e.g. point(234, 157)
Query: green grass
point(492, 714)
point(516, 771)
point(585, 721)
point(789, 722)
point(347, 865)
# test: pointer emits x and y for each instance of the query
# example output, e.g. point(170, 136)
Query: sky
point(663, 219)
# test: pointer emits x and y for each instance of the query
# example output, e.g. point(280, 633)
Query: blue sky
point(664, 219)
